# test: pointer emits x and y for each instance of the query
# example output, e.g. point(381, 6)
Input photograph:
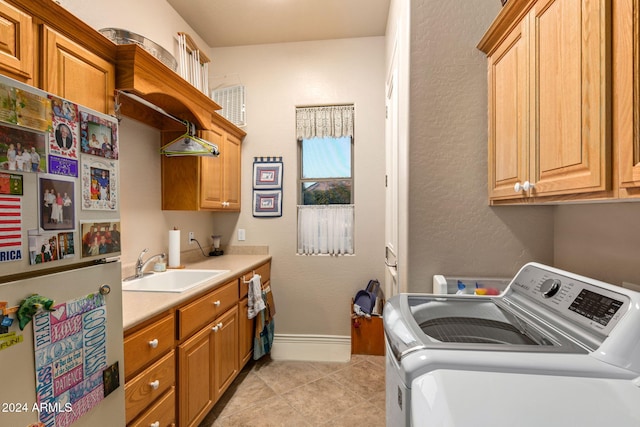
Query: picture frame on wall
point(267, 174)
point(99, 184)
point(267, 203)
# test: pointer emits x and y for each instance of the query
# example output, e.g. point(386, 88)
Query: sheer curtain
point(325, 229)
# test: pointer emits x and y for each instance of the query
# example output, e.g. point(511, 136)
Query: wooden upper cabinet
point(508, 107)
point(16, 43)
point(74, 73)
point(204, 183)
point(549, 109)
point(626, 95)
point(570, 141)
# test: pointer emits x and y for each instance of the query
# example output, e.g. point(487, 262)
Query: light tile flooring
point(284, 393)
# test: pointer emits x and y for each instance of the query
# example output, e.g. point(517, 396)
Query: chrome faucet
point(140, 265)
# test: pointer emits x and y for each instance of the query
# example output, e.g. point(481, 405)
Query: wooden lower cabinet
point(207, 364)
point(161, 414)
point(179, 364)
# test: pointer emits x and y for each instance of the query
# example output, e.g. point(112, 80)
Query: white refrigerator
point(58, 378)
point(66, 366)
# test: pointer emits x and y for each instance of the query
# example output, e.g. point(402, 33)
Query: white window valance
point(332, 121)
point(325, 229)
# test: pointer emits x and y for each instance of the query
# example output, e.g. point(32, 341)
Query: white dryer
point(548, 322)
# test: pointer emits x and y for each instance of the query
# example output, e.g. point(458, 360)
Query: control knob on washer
point(550, 287)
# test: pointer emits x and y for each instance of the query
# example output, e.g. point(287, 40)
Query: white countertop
point(140, 306)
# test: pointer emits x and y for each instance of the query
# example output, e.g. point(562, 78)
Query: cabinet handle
point(156, 424)
point(216, 303)
point(523, 187)
point(153, 343)
point(154, 384)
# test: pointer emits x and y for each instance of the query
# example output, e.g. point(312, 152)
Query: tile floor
point(284, 393)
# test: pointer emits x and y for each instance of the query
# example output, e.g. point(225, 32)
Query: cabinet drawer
point(146, 345)
point(265, 275)
point(142, 390)
point(162, 412)
point(197, 314)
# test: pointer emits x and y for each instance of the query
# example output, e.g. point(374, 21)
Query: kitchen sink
point(171, 280)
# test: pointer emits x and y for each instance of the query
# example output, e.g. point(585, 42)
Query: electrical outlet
point(191, 237)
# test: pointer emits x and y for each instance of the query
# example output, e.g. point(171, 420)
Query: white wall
point(312, 293)
point(452, 229)
point(154, 19)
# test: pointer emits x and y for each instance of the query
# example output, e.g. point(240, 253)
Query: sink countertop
point(140, 306)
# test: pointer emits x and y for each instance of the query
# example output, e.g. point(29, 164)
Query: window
point(325, 171)
point(325, 210)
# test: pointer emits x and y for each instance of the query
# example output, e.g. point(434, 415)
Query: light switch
point(241, 234)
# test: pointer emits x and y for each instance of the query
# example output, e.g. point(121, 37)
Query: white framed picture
point(99, 183)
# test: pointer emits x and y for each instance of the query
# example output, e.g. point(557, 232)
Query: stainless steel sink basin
point(171, 280)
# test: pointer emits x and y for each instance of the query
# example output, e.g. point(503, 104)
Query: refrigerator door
point(18, 361)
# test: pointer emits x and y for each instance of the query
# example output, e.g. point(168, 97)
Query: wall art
point(267, 186)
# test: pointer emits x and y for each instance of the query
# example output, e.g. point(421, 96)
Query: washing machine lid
point(420, 321)
point(448, 398)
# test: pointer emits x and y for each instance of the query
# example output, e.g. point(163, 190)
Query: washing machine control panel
point(593, 304)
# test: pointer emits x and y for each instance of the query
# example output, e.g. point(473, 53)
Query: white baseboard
point(311, 348)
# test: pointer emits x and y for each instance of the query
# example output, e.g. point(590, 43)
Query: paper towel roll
point(174, 248)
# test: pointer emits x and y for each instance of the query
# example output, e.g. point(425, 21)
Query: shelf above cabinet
point(139, 73)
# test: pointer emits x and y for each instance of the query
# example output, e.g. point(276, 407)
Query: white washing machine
point(445, 398)
point(548, 322)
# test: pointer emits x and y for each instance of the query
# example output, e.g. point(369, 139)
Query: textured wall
point(599, 240)
point(452, 229)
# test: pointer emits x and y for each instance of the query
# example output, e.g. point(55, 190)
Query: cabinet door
point(74, 73)
point(211, 178)
point(195, 376)
point(626, 96)
point(246, 331)
point(16, 43)
point(231, 159)
point(569, 142)
point(508, 111)
point(226, 350)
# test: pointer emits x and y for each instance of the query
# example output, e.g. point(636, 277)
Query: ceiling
point(224, 23)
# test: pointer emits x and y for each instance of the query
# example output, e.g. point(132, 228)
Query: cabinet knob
point(153, 343)
point(217, 303)
point(154, 384)
point(156, 424)
point(518, 187)
point(220, 325)
point(528, 186)
point(215, 328)
point(225, 204)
